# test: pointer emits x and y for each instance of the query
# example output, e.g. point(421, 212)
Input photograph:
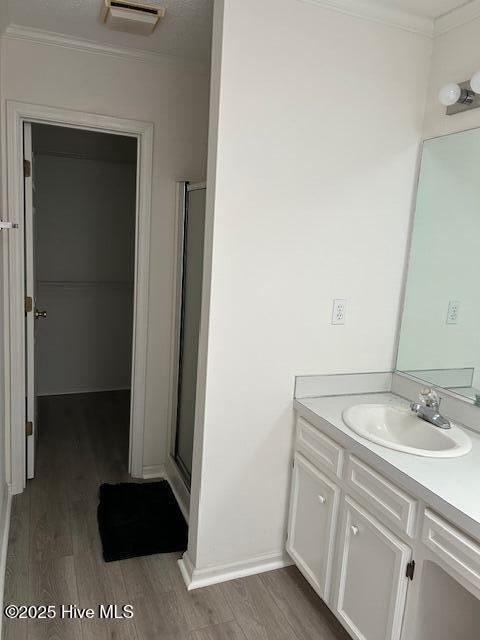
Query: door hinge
point(29, 428)
point(28, 304)
point(27, 168)
point(410, 569)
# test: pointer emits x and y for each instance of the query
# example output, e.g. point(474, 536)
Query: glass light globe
point(449, 94)
point(475, 82)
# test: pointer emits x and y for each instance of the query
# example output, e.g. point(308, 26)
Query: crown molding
point(378, 12)
point(458, 17)
point(51, 38)
point(366, 9)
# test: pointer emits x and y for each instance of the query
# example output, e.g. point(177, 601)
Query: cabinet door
point(372, 576)
point(313, 515)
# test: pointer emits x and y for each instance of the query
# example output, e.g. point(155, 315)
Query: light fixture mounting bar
point(472, 103)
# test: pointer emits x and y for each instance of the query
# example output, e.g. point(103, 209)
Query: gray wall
point(85, 238)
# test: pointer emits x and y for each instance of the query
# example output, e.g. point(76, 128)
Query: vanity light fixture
point(450, 94)
point(475, 82)
point(461, 97)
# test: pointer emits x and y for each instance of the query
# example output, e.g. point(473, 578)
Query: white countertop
point(451, 486)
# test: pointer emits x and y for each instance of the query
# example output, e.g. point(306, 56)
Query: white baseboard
point(187, 570)
point(154, 471)
point(198, 578)
point(4, 534)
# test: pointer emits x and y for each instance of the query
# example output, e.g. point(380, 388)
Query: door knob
point(40, 314)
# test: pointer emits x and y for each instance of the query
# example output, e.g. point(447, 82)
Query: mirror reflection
point(440, 331)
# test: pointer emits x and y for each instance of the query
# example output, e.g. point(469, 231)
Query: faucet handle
point(429, 397)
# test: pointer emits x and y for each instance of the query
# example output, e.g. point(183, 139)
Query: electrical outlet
point(453, 311)
point(339, 311)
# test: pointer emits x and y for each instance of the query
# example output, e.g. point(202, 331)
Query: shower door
point(192, 237)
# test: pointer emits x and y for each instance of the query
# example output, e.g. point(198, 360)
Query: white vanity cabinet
point(372, 584)
point(341, 535)
point(313, 517)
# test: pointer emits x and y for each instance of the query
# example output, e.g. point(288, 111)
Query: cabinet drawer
point(454, 547)
point(383, 496)
point(319, 448)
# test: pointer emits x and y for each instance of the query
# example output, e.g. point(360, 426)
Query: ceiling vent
point(140, 18)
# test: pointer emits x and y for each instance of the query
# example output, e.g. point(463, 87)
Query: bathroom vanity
point(385, 501)
point(389, 540)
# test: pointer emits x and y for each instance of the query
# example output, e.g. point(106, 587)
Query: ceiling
point(184, 32)
point(425, 8)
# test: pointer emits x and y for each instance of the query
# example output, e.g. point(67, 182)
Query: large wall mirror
point(440, 330)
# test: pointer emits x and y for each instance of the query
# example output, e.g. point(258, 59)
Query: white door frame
point(14, 325)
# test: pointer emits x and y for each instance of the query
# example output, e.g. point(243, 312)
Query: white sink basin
point(402, 430)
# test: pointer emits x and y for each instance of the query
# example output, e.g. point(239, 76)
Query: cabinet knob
point(354, 529)
point(322, 499)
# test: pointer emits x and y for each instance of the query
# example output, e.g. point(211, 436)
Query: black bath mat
point(139, 519)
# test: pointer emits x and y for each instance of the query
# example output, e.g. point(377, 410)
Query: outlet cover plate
point(339, 311)
point(453, 311)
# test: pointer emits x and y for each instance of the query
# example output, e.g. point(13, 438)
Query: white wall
point(319, 123)
point(82, 207)
point(174, 96)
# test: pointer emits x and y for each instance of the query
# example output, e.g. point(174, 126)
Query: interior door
point(191, 302)
point(30, 299)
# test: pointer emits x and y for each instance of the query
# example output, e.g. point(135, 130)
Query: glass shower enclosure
point(191, 251)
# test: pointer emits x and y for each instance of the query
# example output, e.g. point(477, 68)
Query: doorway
point(18, 115)
point(80, 201)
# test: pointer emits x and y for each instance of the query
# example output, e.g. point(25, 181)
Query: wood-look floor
point(54, 552)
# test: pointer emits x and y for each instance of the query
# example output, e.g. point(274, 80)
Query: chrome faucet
point(428, 409)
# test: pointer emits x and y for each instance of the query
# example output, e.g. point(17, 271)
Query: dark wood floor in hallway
point(54, 552)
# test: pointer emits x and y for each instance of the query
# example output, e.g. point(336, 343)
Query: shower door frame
point(176, 470)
